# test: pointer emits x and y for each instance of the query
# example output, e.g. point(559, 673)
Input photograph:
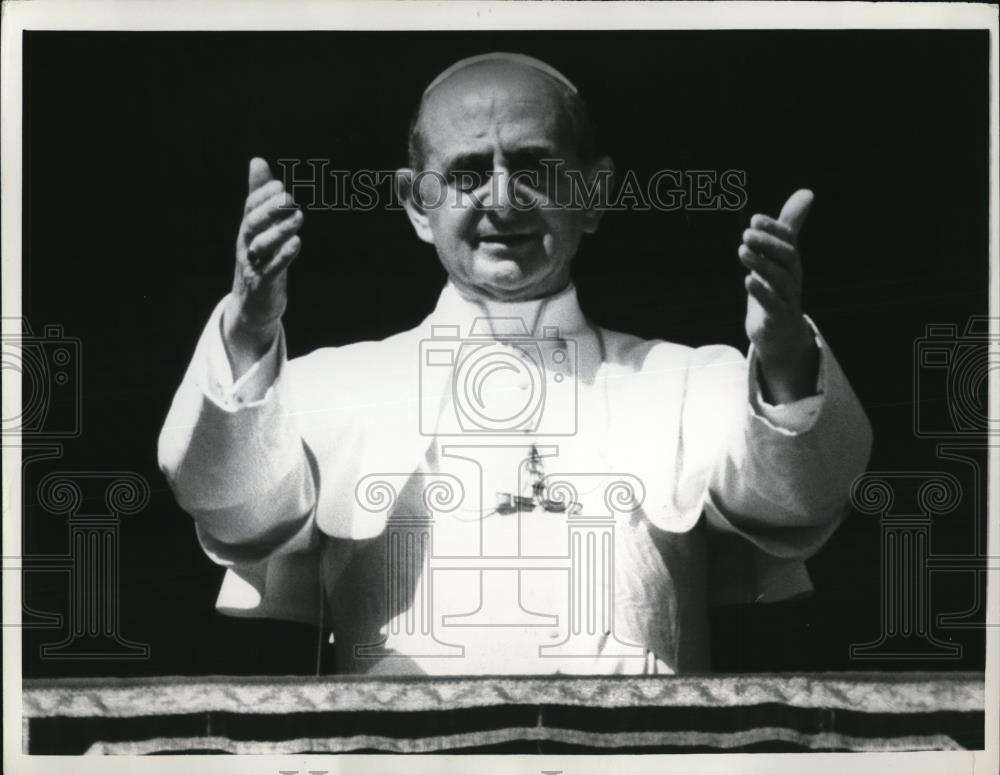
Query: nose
point(498, 195)
point(507, 192)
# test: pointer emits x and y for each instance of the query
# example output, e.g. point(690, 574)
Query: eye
point(468, 179)
point(470, 172)
point(527, 161)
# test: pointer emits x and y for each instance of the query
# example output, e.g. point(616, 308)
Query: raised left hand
point(789, 358)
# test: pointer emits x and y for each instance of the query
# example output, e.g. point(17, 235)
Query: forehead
point(497, 104)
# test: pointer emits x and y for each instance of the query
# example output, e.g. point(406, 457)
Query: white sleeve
point(784, 474)
point(233, 453)
point(252, 387)
point(795, 416)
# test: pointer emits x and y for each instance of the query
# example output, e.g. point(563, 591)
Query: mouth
point(508, 241)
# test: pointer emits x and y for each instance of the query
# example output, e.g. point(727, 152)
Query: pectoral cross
point(509, 503)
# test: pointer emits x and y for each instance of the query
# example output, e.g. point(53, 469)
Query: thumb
point(794, 213)
point(259, 173)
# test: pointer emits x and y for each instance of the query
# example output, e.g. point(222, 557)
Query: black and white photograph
point(515, 384)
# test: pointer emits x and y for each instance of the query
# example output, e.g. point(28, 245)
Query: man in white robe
point(508, 487)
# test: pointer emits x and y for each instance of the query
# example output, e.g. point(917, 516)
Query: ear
point(601, 175)
point(411, 201)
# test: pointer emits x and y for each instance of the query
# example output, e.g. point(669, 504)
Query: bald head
point(520, 87)
point(495, 140)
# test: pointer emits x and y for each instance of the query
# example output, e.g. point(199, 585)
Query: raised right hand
point(266, 244)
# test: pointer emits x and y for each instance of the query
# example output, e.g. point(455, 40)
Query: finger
point(259, 173)
point(767, 224)
point(759, 288)
point(777, 276)
point(267, 242)
point(794, 213)
point(774, 248)
point(283, 257)
point(277, 207)
point(262, 194)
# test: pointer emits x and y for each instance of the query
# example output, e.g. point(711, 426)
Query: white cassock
point(373, 489)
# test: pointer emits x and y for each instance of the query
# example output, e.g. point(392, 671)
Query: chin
point(510, 278)
point(500, 272)
point(516, 266)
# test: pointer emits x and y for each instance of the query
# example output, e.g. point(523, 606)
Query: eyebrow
point(475, 160)
point(468, 160)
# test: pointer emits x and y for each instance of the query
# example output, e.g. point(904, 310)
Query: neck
point(481, 294)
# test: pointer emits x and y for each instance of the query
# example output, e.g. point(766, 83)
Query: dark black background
point(135, 156)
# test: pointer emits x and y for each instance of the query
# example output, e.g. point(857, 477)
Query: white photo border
point(260, 15)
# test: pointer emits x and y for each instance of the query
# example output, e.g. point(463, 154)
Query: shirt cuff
point(795, 416)
point(251, 388)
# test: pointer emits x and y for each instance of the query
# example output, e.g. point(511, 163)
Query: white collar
point(553, 316)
